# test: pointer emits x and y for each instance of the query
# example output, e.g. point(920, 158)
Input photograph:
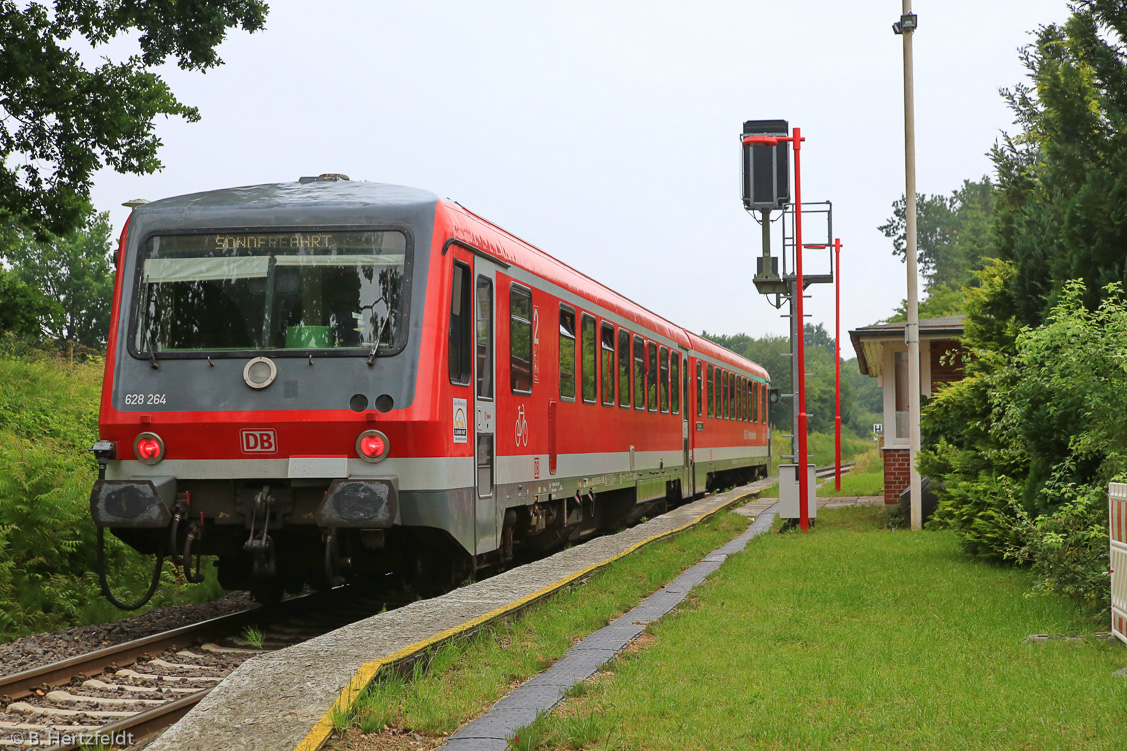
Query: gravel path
point(43, 649)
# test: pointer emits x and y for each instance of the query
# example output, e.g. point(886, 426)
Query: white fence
point(1117, 512)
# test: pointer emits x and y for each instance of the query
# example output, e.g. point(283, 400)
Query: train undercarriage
point(275, 537)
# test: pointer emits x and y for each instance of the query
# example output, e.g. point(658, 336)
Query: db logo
point(259, 441)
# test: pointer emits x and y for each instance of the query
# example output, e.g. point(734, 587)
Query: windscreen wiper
point(376, 344)
point(152, 354)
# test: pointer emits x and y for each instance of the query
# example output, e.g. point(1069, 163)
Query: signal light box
point(766, 169)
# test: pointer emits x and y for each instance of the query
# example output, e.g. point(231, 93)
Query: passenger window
point(675, 381)
point(711, 391)
point(607, 349)
point(686, 399)
point(663, 378)
point(567, 352)
point(484, 337)
point(589, 366)
point(639, 373)
point(700, 389)
point(624, 368)
point(651, 377)
point(740, 401)
point(520, 339)
point(461, 329)
point(726, 393)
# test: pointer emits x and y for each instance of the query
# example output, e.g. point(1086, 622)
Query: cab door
point(485, 404)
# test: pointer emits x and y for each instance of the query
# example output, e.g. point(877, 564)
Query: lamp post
point(802, 460)
point(906, 27)
point(837, 363)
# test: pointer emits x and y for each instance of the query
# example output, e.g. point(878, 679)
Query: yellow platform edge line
point(368, 671)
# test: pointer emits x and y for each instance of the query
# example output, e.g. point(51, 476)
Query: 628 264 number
point(141, 399)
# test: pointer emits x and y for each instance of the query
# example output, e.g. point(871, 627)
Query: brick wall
point(946, 361)
point(896, 474)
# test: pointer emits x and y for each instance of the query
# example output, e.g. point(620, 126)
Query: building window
point(567, 352)
point(520, 339)
point(900, 370)
point(607, 349)
point(461, 326)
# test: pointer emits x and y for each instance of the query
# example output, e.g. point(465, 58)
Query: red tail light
point(372, 445)
point(149, 448)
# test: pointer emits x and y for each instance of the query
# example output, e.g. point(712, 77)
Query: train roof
point(319, 200)
point(496, 241)
point(322, 198)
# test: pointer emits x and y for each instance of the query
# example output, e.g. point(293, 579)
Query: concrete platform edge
point(368, 671)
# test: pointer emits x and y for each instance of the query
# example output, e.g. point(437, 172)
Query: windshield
point(271, 291)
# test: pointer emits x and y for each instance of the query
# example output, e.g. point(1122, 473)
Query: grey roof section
point(518, 710)
point(945, 327)
point(344, 196)
point(273, 701)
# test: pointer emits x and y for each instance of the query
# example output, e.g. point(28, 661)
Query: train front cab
point(268, 381)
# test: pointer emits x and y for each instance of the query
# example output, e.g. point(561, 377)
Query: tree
point(1062, 180)
point(954, 237)
point(74, 272)
point(60, 120)
point(22, 307)
point(773, 353)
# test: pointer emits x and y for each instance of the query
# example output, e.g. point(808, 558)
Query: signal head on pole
point(766, 165)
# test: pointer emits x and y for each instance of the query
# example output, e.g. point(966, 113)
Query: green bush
point(1027, 443)
point(48, 421)
point(1068, 549)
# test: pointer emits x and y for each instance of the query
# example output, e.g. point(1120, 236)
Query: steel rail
point(144, 724)
point(25, 683)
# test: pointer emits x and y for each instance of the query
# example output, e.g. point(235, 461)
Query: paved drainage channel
point(491, 731)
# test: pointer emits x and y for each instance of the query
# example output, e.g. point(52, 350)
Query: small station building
point(882, 354)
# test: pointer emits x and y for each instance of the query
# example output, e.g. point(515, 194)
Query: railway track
point(119, 695)
point(822, 473)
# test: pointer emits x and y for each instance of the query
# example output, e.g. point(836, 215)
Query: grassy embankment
point(855, 637)
point(866, 478)
point(48, 421)
point(461, 680)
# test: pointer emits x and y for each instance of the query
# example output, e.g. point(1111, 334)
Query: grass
point(48, 421)
point(866, 477)
point(459, 680)
point(254, 637)
point(855, 483)
point(854, 637)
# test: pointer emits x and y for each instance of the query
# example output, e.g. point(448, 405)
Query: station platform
point(284, 699)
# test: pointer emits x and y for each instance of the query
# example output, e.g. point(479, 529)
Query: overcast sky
point(606, 133)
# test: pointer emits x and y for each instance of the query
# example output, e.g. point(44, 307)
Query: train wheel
point(267, 591)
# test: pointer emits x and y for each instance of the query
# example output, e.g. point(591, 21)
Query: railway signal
point(766, 148)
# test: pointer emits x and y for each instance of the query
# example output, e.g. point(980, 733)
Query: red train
point(331, 380)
